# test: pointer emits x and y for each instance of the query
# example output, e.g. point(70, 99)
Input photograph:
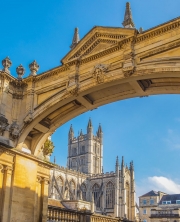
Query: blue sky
point(145, 130)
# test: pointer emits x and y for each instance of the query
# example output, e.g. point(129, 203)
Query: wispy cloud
point(156, 183)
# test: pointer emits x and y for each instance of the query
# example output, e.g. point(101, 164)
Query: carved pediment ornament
point(98, 72)
point(3, 124)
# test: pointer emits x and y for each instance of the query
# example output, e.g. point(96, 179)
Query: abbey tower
point(85, 152)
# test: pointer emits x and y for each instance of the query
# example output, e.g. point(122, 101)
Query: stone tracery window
point(110, 195)
point(59, 183)
point(73, 190)
point(83, 189)
point(96, 191)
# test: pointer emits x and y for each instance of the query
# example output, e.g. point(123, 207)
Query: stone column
point(44, 193)
point(6, 194)
point(1, 188)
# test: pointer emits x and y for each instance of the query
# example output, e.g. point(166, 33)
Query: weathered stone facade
point(84, 185)
point(109, 64)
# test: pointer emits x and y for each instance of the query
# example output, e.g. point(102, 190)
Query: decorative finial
point(140, 30)
point(54, 160)
point(20, 71)
point(6, 64)
point(81, 133)
point(117, 161)
point(34, 67)
point(128, 21)
point(131, 165)
point(122, 163)
point(75, 38)
point(89, 123)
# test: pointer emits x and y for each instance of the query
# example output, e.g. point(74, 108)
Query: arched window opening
point(83, 189)
point(58, 187)
point(96, 192)
point(73, 190)
point(110, 195)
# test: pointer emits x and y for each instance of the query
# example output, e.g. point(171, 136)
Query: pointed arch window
point(83, 189)
point(96, 193)
point(73, 190)
point(58, 187)
point(110, 193)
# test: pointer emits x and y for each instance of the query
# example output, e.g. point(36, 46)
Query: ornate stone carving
point(34, 67)
point(98, 72)
point(73, 85)
point(1, 167)
point(128, 65)
point(20, 71)
point(6, 64)
point(18, 89)
point(8, 169)
point(14, 131)
point(48, 148)
point(3, 124)
point(28, 118)
point(45, 180)
point(39, 179)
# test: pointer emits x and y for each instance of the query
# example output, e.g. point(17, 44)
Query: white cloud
point(157, 184)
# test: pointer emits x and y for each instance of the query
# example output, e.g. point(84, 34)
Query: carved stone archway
point(107, 65)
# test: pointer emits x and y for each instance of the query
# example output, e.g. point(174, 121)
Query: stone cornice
point(7, 76)
point(14, 152)
point(135, 39)
point(158, 30)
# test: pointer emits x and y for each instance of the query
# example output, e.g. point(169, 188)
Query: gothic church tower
point(85, 152)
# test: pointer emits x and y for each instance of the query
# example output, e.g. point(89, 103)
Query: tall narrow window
point(110, 195)
point(95, 191)
point(73, 190)
point(83, 189)
point(83, 149)
point(94, 164)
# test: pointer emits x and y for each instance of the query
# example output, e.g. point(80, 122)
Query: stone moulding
point(158, 50)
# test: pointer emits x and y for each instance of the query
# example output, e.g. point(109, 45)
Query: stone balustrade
point(56, 214)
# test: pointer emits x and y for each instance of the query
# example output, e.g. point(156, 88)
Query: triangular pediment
point(97, 40)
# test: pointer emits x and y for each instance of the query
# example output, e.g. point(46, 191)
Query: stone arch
point(72, 189)
point(84, 191)
point(96, 193)
point(59, 189)
point(84, 83)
